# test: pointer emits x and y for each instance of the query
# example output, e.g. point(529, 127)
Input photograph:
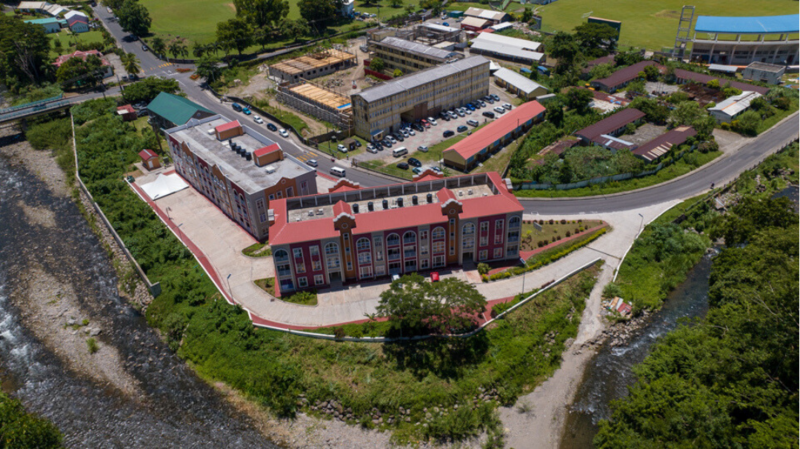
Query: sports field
point(652, 23)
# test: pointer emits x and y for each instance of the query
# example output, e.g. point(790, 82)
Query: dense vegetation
point(20, 429)
point(275, 368)
point(731, 379)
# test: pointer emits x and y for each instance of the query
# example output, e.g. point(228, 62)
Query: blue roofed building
point(50, 24)
point(739, 41)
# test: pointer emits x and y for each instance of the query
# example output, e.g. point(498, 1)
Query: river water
point(174, 408)
point(609, 373)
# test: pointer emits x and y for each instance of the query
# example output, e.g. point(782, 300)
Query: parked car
point(461, 128)
point(258, 120)
point(237, 107)
point(448, 133)
point(144, 47)
point(341, 148)
point(445, 117)
point(402, 166)
point(312, 163)
point(246, 110)
point(405, 133)
point(425, 123)
point(283, 133)
point(272, 127)
point(387, 143)
point(507, 106)
point(411, 132)
point(372, 149)
point(391, 138)
point(415, 162)
point(472, 122)
point(488, 114)
point(432, 121)
point(460, 113)
point(358, 143)
point(470, 106)
point(499, 110)
point(436, 169)
point(495, 97)
point(422, 148)
point(416, 170)
point(399, 137)
point(378, 146)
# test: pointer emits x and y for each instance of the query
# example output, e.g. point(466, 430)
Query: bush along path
point(436, 389)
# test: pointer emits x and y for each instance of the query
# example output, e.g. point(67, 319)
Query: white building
point(508, 48)
point(348, 8)
point(727, 111)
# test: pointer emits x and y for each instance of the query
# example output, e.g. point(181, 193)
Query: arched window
point(513, 222)
point(362, 244)
point(332, 248)
point(393, 240)
point(438, 233)
point(409, 238)
point(468, 229)
point(281, 255)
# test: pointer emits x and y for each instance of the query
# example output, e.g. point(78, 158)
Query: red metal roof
point(127, 108)
point(147, 154)
point(610, 124)
point(666, 141)
point(341, 208)
point(261, 151)
point(227, 126)
point(383, 220)
point(626, 74)
point(702, 78)
point(281, 233)
point(492, 132)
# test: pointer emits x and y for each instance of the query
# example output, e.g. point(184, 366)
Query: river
point(172, 407)
point(609, 373)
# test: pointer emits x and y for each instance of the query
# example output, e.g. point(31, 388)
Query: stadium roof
point(522, 83)
point(748, 25)
point(421, 78)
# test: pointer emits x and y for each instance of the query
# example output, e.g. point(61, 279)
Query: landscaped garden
point(539, 233)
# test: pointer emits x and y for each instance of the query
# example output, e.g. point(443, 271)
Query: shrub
point(708, 146)
point(611, 290)
point(338, 333)
point(725, 125)
point(483, 268)
point(563, 221)
point(568, 234)
point(551, 221)
point(92, 344)
point(558, 237)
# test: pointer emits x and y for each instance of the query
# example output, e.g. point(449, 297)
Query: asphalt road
point(696, 182)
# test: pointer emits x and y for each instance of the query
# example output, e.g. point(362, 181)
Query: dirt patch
point(668, 14)
point(231, 6)
point(645, 133)
point(38, 215)
point(51, 310)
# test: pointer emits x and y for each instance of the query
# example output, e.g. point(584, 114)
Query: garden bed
point(258, 250)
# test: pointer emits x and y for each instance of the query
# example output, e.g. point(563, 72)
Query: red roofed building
point(353, 235)
point(623, 76)
point(150, 159)
point(654, 149)
point(467, 153)
point(127, 113)
point(107, 67)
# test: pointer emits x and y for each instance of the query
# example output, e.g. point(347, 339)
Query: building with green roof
point(169, 111)
point(49, 24)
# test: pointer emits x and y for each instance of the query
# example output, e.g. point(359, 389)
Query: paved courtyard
point(218, 241)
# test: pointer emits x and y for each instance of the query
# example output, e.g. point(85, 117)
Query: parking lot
point(430, 138)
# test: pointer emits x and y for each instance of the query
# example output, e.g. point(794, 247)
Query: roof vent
point(370, 207)
point(210, 131)
point(460, 193)
point(414, 200)
point(270, 170)
point(485, 194)
point(400, 202)
point(311, 213)
point(430, 198)
point(355, 208)
point(385, 204)
point(469, 192)
point(320, 211)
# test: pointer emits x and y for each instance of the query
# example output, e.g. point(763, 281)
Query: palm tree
point(131, 63)
point(158, 46)
point(199, 50)
point(108, 40)
point(183, 51)
point(175, 49)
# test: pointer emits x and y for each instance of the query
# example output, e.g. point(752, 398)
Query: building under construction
point(312, 65)
point(317, 102)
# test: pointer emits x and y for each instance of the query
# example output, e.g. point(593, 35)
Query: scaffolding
point(684, 33)
point(313, 65)
point(318, 102)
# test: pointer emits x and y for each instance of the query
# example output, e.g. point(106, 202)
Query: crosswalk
point(305, 156)
point(166, 64)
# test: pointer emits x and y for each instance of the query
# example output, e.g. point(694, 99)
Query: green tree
point(208, 68)
point(263, 14)
point(626, 58)
point(579, 99)
point(527, 15)
point(397, 73)
point(295, 29)
point(148, 88)
point(76, 71)
point(377, 65)
point(396, 3)
point(130, 63)
point(159, 46)
point(563, 47)
point(174, 48)
point(750, 215)
point(416, 307)
point(596, 39)
point(636, 87)
point(555, 113)
point(704, 125)
point(685, 113)
point(108, 39)
point(409, 8)
point(20, 429)
point(654, 112)
point(321, 11)
point(651, 73)
point(24, 53)
point(198, 50)
point(601, 71)
point(534, 71)
point(434, 6)
point(713, 84)
point(57, 45)
point(133, 16)
point(235, 34)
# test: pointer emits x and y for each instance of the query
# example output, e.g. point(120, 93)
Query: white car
point(422, 148)
point(258, 120)
point(411, 132)
point(341, 148)
point(432, 121)
point(283, 133)
point(312, 162)
point(507, 106)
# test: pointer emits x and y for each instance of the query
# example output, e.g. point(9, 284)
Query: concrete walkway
point(218, 241)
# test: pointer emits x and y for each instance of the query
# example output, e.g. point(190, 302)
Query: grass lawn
point(651, 23)
point(531, 236)
point(69, 39)
point(764, 125)
point(384, 11)
point(258, 250)
point(463, 6)
point(267, 284)
point(673, 171)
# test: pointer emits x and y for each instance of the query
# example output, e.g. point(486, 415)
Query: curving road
point(719, 172)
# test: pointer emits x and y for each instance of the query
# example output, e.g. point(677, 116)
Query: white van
point(399, 151)
point(337, 171)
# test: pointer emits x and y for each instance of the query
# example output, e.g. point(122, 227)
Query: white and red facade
point(334, 237)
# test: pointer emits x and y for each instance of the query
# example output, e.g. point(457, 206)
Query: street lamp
point(228, 279)
point(523, 275)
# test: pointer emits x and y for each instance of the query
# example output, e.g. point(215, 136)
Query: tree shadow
point(443, 357)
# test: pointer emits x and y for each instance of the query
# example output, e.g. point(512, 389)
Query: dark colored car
point(402, 166)
point(448, 133)
point(236, 107)
point(415, 162)
point(358, 144)
point(488, 114)
point(272, 127)
point(418, 127)
point(399, 137)
point(462, 128)
point(496, 97)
